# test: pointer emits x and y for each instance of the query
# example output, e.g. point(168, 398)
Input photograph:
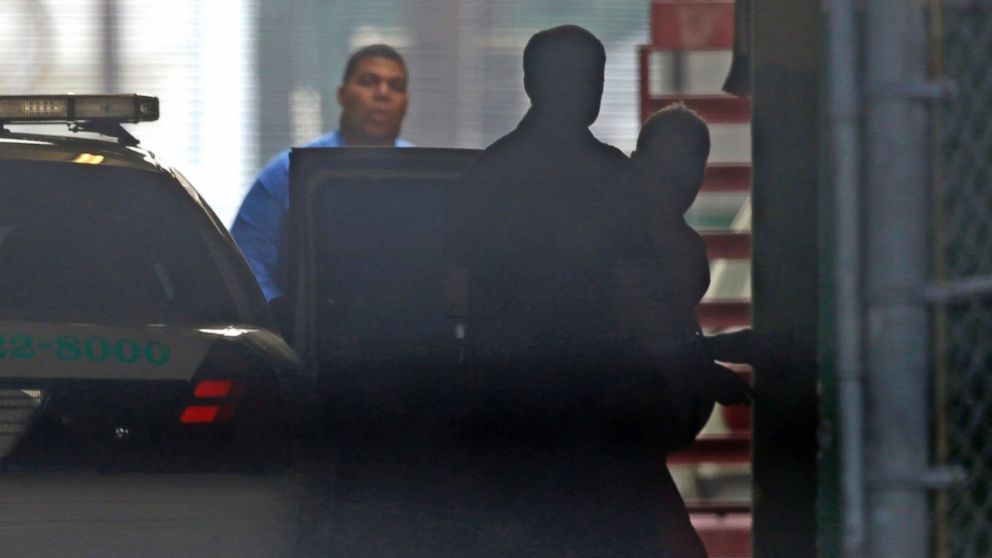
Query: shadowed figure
point(570, 393)
point(672, 149)
point(671, 154)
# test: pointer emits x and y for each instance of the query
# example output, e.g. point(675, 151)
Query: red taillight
point(203, 414)
point(212, 388)
point(197, 413)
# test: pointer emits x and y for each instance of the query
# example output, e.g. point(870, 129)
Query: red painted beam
point(723, 448)
point(724, 314)
point(729, 245)
point(716, 108)
point(697, 25)
point(727, 177)
point(724, 535)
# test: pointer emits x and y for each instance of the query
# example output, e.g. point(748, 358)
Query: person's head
point(373, 96)
point(671, 154)
point(563, 73)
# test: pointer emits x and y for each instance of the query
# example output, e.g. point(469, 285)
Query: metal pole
point(896, 141)
point(471, 27)
point(941, 430)
point(844, 100)
point(111, 58)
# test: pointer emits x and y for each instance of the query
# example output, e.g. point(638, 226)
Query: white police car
point(133, 337)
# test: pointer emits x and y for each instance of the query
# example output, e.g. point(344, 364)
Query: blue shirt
point(260, 228)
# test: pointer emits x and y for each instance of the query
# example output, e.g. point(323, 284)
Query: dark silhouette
point(573, 386)
point(671, 155)
point(545, 213)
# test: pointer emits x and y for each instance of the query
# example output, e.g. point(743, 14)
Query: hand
point(726, 387)
point(764, 351)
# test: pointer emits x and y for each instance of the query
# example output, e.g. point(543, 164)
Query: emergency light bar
point(78, 108)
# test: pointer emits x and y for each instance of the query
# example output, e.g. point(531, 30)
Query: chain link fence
point(963, 262)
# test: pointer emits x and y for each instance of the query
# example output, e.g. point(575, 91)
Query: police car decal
point(86, 351)
point(94, 348)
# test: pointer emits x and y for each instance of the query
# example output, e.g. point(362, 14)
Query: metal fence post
point(844, 99)
point(896, 267)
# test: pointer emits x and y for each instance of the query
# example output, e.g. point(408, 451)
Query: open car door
point(366, 257)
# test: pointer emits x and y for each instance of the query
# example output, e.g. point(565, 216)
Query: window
point(104, 245)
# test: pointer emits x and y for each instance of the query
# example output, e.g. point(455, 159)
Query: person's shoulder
point(494, 157)
point(606, 160)
point(335, 139)
point(330, 139)
point(611, 151)
point(611, 155)
point(503, 145)
point(276, 170)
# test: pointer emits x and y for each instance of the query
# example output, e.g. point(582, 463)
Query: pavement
point(72, 515)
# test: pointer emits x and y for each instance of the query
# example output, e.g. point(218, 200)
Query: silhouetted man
point(542, 203)
point(563, 396)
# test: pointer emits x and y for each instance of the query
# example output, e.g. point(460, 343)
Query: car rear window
point(106, 245)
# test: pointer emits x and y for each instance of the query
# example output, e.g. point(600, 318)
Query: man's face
point(373, 102)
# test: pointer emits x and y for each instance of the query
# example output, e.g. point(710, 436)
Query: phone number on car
point(94, 349)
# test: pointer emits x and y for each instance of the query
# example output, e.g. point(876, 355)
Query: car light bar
point(74, 108)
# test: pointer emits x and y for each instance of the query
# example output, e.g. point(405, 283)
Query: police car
point(133, 336)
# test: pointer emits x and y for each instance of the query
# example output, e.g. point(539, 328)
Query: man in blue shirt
point(373, 100)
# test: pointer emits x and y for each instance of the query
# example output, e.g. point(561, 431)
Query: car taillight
point(212, 402)
point(213, 388)
point(205, 414)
